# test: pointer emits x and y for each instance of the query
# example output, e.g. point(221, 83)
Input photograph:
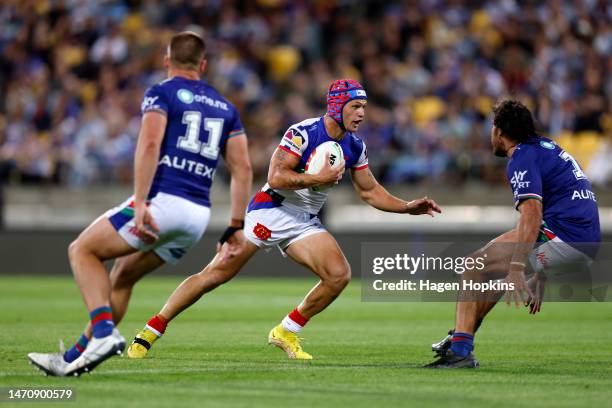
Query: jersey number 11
point(191, 141)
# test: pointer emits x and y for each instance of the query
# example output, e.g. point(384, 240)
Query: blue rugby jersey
point(540, 169)
point(200, 121)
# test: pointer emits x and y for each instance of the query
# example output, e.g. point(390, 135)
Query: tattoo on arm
point(280, 162)
point(297, 181)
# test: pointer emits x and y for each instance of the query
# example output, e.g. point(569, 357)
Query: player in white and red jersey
point(284, 215)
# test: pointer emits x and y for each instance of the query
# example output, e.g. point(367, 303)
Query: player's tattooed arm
point(378, 197)
point(282, 174)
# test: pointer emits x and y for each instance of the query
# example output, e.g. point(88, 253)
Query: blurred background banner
point(73, 72)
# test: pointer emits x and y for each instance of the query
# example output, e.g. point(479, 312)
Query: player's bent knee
point(75, 249)
point(339, 277)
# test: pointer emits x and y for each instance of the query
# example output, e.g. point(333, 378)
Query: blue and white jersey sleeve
point(154, 99)
point(362, 161)
point(294, 142)
point(525, 177)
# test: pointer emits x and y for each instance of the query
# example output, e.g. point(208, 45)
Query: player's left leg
point(320, 253)
point(221, 269)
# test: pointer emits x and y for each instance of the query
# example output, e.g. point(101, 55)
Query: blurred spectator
point(72, 74)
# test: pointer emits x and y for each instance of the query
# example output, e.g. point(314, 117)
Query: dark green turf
point(366, 354)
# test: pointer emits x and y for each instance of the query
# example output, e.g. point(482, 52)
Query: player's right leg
point(320, 253)
point(220, 270)
point(97, 243)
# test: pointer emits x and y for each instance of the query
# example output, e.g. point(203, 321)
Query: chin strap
point(340, 123)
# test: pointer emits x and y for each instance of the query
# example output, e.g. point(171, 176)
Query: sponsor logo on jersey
point(583, 195)
point(294, 139)
point(191, 166)
point(149, 103)
point(185, 95)
point(517, 180)
point(547, 145)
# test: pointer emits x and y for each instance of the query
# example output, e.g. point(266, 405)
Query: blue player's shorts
point(181, 225)
point(555, 253)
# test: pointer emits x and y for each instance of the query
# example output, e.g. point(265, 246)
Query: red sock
point(158, 323)
point(297, 317)
point(294, 321)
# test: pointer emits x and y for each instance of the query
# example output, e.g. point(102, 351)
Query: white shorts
point(279, 226)
point(181, 225)
point(555, 253)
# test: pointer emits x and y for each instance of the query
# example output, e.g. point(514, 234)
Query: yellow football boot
point(141, 344)
point(289, 342)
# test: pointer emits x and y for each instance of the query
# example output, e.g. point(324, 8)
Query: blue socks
point(462, 344)
point(102, 321)
point(102, 326)
point(76, 350)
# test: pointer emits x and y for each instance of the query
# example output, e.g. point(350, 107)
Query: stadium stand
point(72, 74)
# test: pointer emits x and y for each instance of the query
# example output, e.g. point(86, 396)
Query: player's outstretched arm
point(151, 134)
point(378, 197)
point(282, 174)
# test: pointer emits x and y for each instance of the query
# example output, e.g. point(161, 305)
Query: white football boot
point(50, 363)
point(97, 351)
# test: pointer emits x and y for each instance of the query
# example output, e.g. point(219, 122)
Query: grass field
point(366, 354)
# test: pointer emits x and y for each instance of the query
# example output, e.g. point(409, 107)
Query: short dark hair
point(186, 50)
point(514, 120)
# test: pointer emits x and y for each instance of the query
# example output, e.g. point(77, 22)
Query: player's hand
point(423, 205)
point(232, 246)
point(521, 291)
point(537, 284)
point(329, 174)
point(145, 224)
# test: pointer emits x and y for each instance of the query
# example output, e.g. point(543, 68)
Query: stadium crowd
point(72, 75)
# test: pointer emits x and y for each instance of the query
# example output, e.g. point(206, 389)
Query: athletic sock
point(102, 322)
point(77, 349)
point(294, 321)
point(157, 324)
point(462, 344)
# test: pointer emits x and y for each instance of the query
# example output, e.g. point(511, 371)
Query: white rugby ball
point(317, 159)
